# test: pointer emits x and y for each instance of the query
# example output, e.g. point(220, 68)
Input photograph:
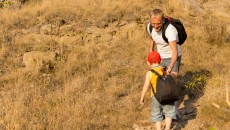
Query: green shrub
point(196, 83)
point(4, 3)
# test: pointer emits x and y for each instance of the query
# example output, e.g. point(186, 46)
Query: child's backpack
point(177, 24)
point(166, 89)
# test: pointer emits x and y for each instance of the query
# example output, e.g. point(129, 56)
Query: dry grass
point(96, 79)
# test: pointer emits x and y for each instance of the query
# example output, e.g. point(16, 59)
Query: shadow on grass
point(192, 86)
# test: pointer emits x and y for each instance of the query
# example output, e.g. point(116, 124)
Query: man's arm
point(173, 46)
point(151, 45)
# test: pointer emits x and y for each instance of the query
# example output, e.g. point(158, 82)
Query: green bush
point(196, 83)
point(4, 3)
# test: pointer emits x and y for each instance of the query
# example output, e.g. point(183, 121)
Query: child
point(158, 111)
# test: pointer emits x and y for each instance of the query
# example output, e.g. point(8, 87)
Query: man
point(170, 52)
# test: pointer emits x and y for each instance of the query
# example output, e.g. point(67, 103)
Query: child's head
point(154, 58)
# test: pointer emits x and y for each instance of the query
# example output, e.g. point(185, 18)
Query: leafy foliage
point(196, 83)
point(4, 3)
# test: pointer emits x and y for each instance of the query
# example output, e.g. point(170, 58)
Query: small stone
point(135, 126)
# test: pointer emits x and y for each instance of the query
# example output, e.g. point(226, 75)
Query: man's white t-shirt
point(163, 47)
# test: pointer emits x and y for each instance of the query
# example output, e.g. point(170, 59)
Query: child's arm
point(145, 87)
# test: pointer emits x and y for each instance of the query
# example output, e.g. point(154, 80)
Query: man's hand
point(169, 70)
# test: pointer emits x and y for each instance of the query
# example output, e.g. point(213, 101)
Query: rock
point(135, 126)
point(69, 40)
point(122, 23)
point(35, 60)
point(2, 127)
point(191, 7)
point(127, 31)
point(101, 24)
point(106, 37)
point(48, 29)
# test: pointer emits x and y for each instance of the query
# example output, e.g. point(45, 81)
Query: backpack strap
point(168, 20)
point(152, 88)
point(158, 75)
point(149, 28)
point(155, 72)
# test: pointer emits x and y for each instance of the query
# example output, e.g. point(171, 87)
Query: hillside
point(80, 64)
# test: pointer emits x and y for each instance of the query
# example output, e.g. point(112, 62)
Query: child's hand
point(142, 101)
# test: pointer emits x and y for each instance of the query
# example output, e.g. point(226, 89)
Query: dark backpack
point(166, 89)
point(177, 24)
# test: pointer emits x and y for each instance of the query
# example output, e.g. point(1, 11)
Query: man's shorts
point(166, 62)
point(159, 111)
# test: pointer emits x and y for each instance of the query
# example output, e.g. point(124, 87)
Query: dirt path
point(187, 110)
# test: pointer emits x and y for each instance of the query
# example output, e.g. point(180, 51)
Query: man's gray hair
point(156, 13)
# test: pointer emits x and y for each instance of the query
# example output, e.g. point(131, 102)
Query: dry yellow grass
point(96, 79)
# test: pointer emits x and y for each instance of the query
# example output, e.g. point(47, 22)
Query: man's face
point(157, 23)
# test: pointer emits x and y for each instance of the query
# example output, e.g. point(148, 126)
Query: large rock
point(35, 61)
point(191, 7)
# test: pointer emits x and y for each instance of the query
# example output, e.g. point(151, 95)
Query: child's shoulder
point(159, 69)
point(156, 68)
